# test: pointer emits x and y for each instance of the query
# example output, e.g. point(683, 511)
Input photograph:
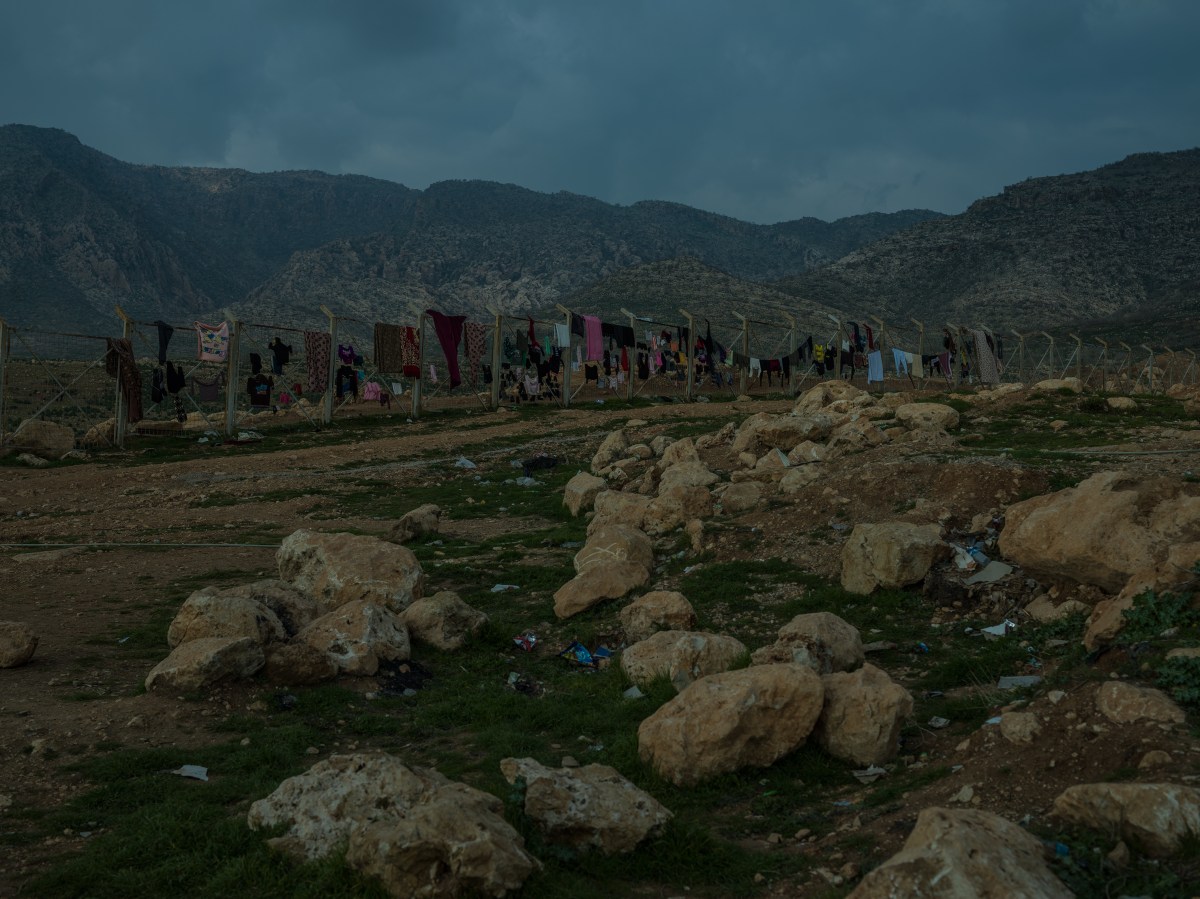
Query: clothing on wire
point(212, 342)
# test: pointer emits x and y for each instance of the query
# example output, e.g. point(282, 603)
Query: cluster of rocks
point(423, 835)
point(342, 604)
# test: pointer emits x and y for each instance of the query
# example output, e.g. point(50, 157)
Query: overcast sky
point(761, 110)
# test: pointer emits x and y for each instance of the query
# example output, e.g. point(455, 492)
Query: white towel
point(562, 334)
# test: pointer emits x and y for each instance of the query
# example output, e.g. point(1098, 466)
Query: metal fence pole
point(497, 356)
point(793, 345)
point(233, 364)
point(415, 408)
point(327, 397)
point(691, 356)
point(122, 406)
point(744, 373)
point(567, 357)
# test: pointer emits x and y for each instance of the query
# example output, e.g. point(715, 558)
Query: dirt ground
point(203, 520)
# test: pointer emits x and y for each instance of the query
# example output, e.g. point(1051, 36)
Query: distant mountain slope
point(80, 231)
point(1119, 241)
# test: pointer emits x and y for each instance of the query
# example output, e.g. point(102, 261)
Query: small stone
point(1056, 696)
point(775, 838)
point(966, 794)
point(312, 750)
point(1119, 856)
point(569, 761)
point(1154, 758)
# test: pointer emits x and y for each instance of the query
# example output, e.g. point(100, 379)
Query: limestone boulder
point(1124, 703)
point(1121, 404)
point(618, 507)
point(806, 452)
point(1107, 617)
point(926, 417)
point(683, 656)
point(297, 664)
point(677, 506)
point(423, 521)
point(199, 664)
point(579, 495)
point(738, 499)
point(686, 474)
point(592, 807)
point(17, 644)
point(358, 636)
point(964, 854)
point(294, 608)
point(1020, 727)
point(43, 438)
point(100, 435)
point(725, 722)
point(210, 613)
point(863, 714)
point(660, 610)
point(763, 431)
point(420, 833)
point(659, 444)
point(818, 640)
point(823, 395)
point(336, 569)
point(597, 584)
point(1155, 818)
point(890, 555)
point(679, 452)
point(611, 449)
point(442, 621)
point(796, 479)
point(1103, 531)
point(1058, 385)
point(856, 434)
point(615, 543)
point(772, 459)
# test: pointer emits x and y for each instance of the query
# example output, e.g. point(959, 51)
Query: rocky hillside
point(80, 231)
point(1122, 240)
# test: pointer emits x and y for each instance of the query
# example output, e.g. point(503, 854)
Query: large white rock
point(611, 449)
point(675, 507)
point(926, 416)
point(211, 613)
point(422, 521)
point(964, 854)
point(1123, 703)
point(890, 555)
point(592, 807)
point(725, 722)
point(683, 656)
point(339, 568)
point(43, 438)
point(358, 636)
point(615, 543)
point(597, 584)
point(199, 664)
point(820, 640)
point(863, 715)
point(618, 507)
point(1156, 818)
point(443, 620)
point(420, 833)
point(686, 474)
point(659, 610)
point(581, 491)
point(17, 643)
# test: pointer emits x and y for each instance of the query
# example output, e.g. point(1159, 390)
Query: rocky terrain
point(851, 644)
point(80, 231)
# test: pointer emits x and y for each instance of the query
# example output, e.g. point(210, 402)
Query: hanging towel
point(410, 354)
point(755, 366)
point(578, 326)
point(532, 334)
point(900, 360)
point(164, 337)
point(874, 366)
point(595, 338)
point(280, 353)
point(562, 335)
point(255, 363)
point(944, 364)
point(474, 333)
point(988, 369)
point(212, 341)
point(317, 346)
point(120, 364)
point(432, 374)
point(389, 347)
point(176, 380)
point(449, 330)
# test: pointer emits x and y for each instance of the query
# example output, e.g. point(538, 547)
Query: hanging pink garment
point(595, 338)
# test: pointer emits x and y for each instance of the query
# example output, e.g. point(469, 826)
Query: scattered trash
point(526, 641)
point(195, 772)
point(1018, 681)
point(995, 720)
point(464, 462)
point(878, 646)
point(585, 658)
point(504, 588)
point(934, 694)
point(633, 692)
point(599, 402)
point(692, 568)
point(937, 722)
point(989, 574)
point(525, 482)
point(571, 544)
point(838, 526)
point(202, 440)
point(921, 648)
point(977, 554)
point(996, 631)
point(516, 463)
point(869, 774)
point(125, 639)
point(286, 701)
point(962, 558)
point(525, 684)
point(843, 803)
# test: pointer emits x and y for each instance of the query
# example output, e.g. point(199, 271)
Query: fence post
point(793, 345)
point(1149, 365)
point(5, 340)
point(233, 364)
point(837, 346)
point(327, 396)
point(567, 359)
point(122, 408)
point(632, 358)
point(691, 356)
point(879, 349)
point(415, 407)
point(497, 353)
point(744, 373)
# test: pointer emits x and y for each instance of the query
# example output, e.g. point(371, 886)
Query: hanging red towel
point(449, 330)
point(532, 334)
point(410, 354)
point(624, 359)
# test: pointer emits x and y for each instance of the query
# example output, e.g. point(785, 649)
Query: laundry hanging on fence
point(317, 345)
point(371, 391)
point(120, 364)
point(874, 366)
point(164, 338)
point(259, 388)
point(474, 333)
point(255, 363)
point(208, 391)
point(944, 364)
point(989, 372)
point(562, 335)
point(389, 347)
point(346, 353)
point(346, 381)
point(595, 338)
point(212, 341)
point(158, 390)
point(432, 373)
point(175, 378)
point(410, 354)
point(900, 360)
point(449, 329)
point(280, 354)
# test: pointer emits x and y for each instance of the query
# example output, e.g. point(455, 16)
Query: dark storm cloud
point(762, 110)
